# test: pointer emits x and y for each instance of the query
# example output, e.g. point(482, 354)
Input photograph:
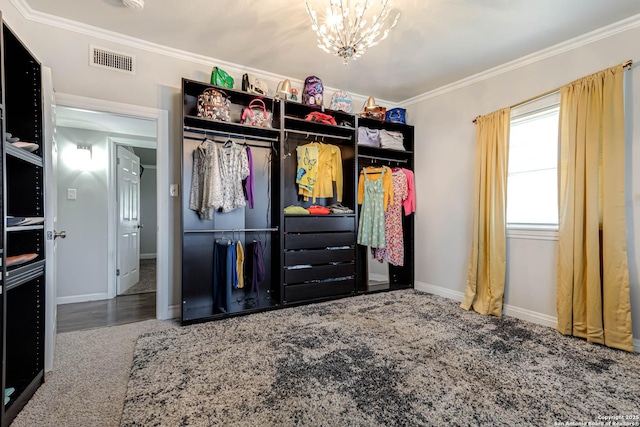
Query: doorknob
point(140, 225)
point(61, 234)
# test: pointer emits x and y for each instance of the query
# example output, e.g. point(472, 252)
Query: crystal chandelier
point(349, 28)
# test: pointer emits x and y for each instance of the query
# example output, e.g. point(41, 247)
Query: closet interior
point(292, 252)
point(22, 243)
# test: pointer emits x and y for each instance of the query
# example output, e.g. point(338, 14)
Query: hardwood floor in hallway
point(97, 314)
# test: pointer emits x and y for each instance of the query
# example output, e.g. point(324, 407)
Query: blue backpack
point(312, 93)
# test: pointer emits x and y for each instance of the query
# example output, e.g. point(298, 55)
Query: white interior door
point(51, 216)
point(128, 184)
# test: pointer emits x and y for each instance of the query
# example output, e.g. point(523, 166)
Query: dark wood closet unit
point(246, 225)
point(308, 258)
point(23, 285)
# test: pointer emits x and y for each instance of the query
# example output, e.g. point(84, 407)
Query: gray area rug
point(147, 281)
point(401, 358)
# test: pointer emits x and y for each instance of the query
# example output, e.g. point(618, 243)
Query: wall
point(82, 255)
point(445, 150)
point(148, 211)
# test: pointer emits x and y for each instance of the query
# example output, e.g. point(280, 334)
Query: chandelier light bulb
point(348, 31)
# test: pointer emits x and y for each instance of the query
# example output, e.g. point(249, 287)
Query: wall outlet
point(71, 194)
point(173, 190)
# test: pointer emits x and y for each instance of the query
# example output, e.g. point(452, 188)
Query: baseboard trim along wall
point(517, 312)
point(148, 256)
point(81, 298)
point(174, 311)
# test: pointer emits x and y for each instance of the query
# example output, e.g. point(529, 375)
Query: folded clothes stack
point(20, 259)
point(295, 210)
point(337, 208)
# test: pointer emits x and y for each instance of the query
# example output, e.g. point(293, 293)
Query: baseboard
point(175, 312)
point(531, 316)
point(81, 298)
point(440, 291)
point(379, 277)
point(148, 256)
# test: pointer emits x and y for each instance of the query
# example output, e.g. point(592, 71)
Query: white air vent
point(105, 58)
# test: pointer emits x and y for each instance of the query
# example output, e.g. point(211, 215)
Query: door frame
point(164, 233)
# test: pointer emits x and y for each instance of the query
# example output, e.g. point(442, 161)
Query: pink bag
point(256, 114)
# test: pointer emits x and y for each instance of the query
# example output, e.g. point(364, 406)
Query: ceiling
point(436, 42)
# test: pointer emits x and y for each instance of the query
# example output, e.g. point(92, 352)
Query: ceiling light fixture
point(134, 4)
point(351, 27)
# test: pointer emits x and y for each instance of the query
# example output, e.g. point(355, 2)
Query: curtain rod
point(626, 64)
point(323, 135)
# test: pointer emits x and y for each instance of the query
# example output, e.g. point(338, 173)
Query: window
point(532, 183)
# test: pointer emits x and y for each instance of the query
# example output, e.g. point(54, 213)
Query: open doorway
point(87, 204)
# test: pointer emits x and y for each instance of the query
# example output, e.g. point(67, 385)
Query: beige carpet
point(89, 379)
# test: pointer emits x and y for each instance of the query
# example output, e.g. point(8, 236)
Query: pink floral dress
point(393, 252)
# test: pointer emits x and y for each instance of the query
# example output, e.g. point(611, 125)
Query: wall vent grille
point(105, 58)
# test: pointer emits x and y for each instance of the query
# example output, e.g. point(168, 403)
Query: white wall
point(82, 255)
point(445, 147)
point(148, 211)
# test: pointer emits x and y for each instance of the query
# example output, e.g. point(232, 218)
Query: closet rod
point(244, 143)
point(228, 134)
point(231, 230)
point(383, 158)
point(301, 132)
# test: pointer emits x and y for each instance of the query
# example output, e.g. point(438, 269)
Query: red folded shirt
point(318, 210)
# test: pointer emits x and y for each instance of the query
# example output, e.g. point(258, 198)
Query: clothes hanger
point(228, 143)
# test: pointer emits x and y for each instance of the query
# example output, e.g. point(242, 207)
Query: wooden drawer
point(318, 256)
point(319, 272)
point(310, 291)
point(319, 240)
point(317, 224)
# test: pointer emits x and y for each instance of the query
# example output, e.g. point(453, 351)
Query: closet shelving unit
point(23, 195)
point(244, 224)
point(399, 277)
point(327, 273)
point(289, 240)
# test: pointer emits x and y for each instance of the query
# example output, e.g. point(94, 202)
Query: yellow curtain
point(593, 300)
point(487, 266)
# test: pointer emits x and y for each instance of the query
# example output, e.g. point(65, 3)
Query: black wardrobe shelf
point(383, 124)
point(218, 126)
point(316, 215)
point(364, 149)
point(24, 274)
point(21, 154)
point(15, 405)
point(202, 315)
point(324, 130)
point(18, 228)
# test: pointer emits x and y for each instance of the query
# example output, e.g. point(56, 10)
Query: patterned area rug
point(400, 358)
point(147, 281)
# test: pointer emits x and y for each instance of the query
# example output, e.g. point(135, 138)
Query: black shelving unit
point(23, 285)
point(300, 267)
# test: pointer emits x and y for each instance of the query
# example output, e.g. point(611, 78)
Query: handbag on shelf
point(214, 104)
point(256, 114)
point(396, 115)
point(219, 77)
point(319, 117)
point(376, 113)
point(253, 85)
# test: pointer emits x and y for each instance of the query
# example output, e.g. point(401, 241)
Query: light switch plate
point(71, 194)
point(173, 190)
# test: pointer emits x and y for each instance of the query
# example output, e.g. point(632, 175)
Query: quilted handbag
point(214, 104)
point(252, 85)
point(219, 77)
point(396, 115)
point(319, 117)
point(256, 114)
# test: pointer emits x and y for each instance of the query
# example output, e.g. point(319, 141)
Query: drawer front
point(319, 272)
point(318, 256)
point(310, 291)
point(315, 224)
point(320, 240)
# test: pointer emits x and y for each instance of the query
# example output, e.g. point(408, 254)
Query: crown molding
point(33, 15)
point(585, 39)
